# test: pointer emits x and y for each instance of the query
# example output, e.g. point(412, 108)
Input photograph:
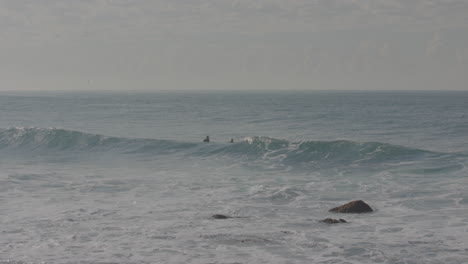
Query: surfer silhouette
point(232, 140)
point(207, 139)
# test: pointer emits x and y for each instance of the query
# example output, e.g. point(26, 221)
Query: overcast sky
point(233, 44)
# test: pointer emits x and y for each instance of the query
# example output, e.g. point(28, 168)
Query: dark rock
point(356, 207)
point(333, 221)
point(220, 216)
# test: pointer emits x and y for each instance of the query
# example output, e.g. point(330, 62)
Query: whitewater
point(125, 177)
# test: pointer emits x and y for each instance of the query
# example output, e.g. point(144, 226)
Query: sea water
point(125, 177)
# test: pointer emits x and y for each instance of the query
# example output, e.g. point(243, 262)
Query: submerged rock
point(356, 207)
point(333, 221)
point(220, 216)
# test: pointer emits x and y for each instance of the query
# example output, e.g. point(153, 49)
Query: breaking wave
point(251, 148)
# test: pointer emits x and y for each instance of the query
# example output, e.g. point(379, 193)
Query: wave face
point(52, 140)
point(256, 149)
point(322, 153)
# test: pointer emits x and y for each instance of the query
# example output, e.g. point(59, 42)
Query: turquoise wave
point(251, 148)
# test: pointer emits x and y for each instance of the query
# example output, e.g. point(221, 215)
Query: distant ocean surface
point(125, 177)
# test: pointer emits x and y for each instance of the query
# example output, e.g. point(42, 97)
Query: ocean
point(122, 177)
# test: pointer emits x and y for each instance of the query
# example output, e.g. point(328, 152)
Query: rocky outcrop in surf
point(354, 207)
point(220, 216)
point(333, 221)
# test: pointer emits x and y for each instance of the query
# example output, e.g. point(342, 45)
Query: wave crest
point(314, 151)
point(257, 149)
point(51, 138)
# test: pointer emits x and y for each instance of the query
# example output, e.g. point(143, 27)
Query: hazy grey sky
point(233, 44)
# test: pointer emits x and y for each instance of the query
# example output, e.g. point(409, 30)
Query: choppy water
point(124, 178)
